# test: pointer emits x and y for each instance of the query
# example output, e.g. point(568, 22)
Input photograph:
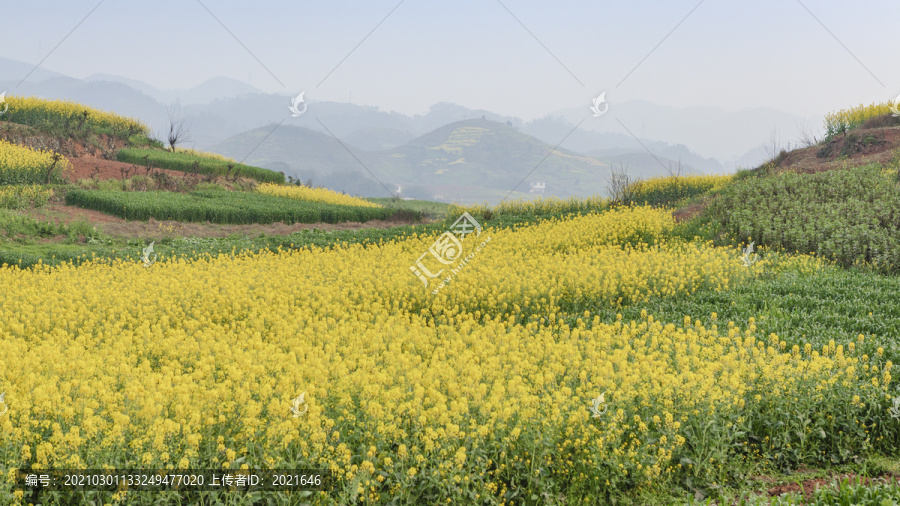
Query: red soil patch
point(853, 149)
point(90, 166)
point(808, 487)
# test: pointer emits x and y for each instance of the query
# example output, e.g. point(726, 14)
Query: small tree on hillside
point(618, 184)
point(178, 129)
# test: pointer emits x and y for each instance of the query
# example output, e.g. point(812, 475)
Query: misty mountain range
point(449, 153)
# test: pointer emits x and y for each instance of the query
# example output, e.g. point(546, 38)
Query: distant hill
point(661, 159)
point(306, 152)
point(481, 152)
point(712, 131)
point(375, 138)
point(467, 161)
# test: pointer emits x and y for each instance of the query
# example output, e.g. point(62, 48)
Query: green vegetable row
point(218, 207)
point(849, 216)
point(184, 162)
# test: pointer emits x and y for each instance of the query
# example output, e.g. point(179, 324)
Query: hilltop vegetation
point(849, 216)
point(862, 116)
point(65, 118)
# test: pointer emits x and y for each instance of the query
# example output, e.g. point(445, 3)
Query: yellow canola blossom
point(204, 154)
point(36, 111)
point(848, 119)
point(663, 190)
point(323, 195)
point(23, 165)
point(199, 362)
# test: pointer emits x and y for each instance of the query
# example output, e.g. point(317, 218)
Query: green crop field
point(217, 206)
point(849, 216)
point(190, 163)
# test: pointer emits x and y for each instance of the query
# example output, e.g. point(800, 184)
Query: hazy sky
point(726, 53)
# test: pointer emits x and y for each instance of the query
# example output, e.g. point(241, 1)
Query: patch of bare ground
point(808, 487)
point(688, 212)
point(97, 167)
point(852, 149)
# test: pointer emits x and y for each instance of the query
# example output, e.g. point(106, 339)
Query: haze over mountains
point(448, 153)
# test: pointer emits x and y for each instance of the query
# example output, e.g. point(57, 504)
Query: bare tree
point(774, 148)
point(178, 129)
point(618, 184)
point(807, 138)
point(676, 171)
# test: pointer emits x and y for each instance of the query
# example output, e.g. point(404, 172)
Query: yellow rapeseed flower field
point(323, 195)
point(204, 154)
point(848, 119)
point(69, 115)
point(663, 190)
point(196, 363)
point(22, 165)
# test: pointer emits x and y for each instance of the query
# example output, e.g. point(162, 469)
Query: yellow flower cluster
point(204, 154)
point(323, 195)
point(36, 111)
point(22, 165)
point(21, 197)
point(848, 119)
point(663, 190)
point(198, 363)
